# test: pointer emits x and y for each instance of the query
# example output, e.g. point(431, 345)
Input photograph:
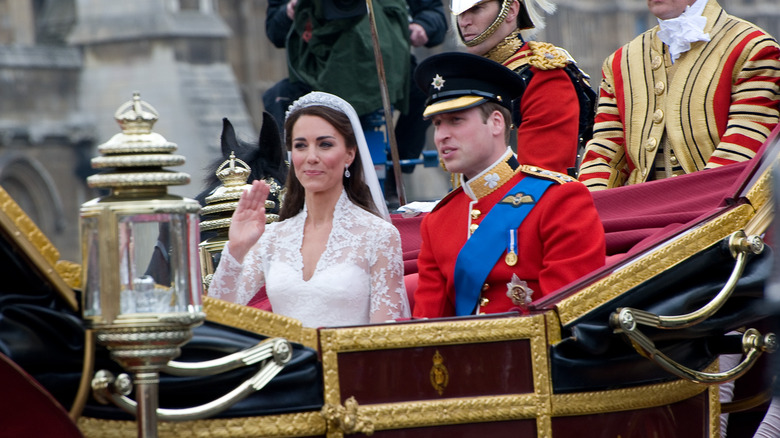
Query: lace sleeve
point(238, 282)
point(388, 293)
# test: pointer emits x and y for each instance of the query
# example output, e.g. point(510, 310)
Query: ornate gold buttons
point(473, 227)
point(475, 214)
point(673, 160)
point(656, 62)
point(659, 88)
point(658, 116)
point(650, 144)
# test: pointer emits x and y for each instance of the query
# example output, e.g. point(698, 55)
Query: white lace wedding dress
point(357, 280)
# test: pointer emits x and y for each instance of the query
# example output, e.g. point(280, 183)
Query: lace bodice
point(358, 278)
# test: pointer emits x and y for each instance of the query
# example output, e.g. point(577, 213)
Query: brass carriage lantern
point(140, 269)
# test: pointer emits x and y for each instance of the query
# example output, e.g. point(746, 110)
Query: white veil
point(318, 98)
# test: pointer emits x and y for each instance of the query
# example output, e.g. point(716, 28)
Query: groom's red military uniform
point(559, 241)
point(509, 234)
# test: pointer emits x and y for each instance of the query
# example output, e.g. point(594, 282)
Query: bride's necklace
point(506, 48)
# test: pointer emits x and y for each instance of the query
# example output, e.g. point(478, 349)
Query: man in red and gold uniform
point(698, 91)
point(554, 113)
point(510, 233)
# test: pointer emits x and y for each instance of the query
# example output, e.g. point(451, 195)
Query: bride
point(334, 258)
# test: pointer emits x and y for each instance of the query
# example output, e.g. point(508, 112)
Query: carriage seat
point(28, 409)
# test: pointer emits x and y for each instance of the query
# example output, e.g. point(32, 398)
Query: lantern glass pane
point(154, 264)
point(90, 265)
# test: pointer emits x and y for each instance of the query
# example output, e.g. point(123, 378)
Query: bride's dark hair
point(355, 186)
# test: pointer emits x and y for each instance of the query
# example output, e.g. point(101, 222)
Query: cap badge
point(438, 82)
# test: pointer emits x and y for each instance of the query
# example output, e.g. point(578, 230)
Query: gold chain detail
point(492, 28)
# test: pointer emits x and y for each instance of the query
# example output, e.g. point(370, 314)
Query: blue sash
point(481, 252)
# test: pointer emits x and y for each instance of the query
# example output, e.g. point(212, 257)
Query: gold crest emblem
point(440, 377)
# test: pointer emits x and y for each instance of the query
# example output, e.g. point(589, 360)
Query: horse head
point(266, 159)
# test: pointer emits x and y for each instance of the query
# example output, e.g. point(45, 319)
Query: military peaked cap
point(457, 81)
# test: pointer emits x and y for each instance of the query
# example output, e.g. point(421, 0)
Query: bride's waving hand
point(248, 222)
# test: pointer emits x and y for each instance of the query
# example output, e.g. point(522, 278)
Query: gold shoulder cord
point(546, 56)
point(558, 177)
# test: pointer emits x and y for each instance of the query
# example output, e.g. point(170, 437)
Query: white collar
point(678, 33)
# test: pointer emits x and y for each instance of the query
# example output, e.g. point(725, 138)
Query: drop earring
point(346, 171)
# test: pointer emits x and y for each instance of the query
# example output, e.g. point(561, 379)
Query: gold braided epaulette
point(558, 177)
point(546, 56)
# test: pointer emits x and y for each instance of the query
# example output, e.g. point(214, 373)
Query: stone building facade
point(67, 65)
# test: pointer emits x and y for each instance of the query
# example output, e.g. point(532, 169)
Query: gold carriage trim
point(429, 333)
point(259, 321)
point(553, 327)
point(761, 192)
point(760, 196)
point(285, 425)
point(714, 404)
point(654, 263)
point(625, 399)
point(534, 405)
point(451, 411)
point(42, 253)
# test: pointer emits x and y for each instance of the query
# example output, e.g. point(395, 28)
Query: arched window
point(29, 183)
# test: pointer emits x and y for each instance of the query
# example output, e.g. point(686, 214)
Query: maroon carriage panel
point(403, 375)
point(688, 418)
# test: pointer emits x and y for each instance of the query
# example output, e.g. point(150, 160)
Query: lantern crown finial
point(137, 154)
point(136, 116)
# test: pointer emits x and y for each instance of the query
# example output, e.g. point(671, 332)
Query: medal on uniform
point(511, 244)
point(518, 292)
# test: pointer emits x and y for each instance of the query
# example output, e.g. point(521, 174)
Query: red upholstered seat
point(27, 410)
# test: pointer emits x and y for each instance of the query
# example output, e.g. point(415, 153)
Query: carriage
point(630, 350)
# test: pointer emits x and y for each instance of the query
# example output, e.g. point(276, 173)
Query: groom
point(510, 233)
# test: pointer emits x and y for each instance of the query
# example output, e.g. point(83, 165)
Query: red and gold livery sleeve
point(604, 164)
point(754, 85)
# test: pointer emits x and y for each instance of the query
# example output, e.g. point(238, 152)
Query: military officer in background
point(511, 233)
point(699, 90)
point(554, 112)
